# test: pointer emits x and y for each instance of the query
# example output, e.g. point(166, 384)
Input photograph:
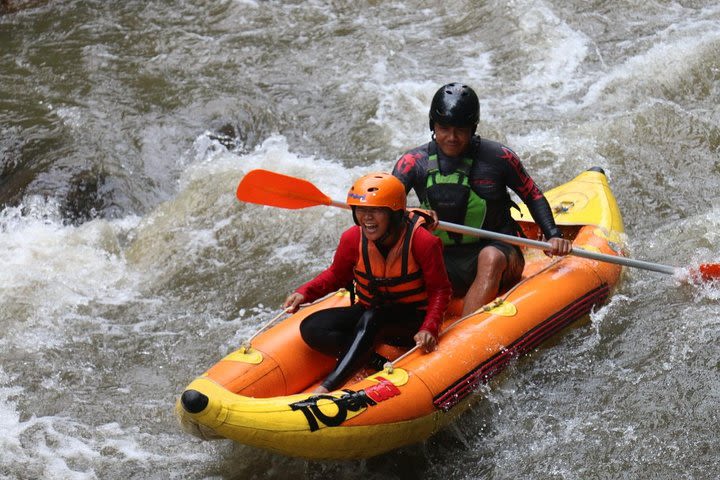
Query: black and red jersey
point(495, 168)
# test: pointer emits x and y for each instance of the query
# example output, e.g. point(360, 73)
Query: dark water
point(128, 267)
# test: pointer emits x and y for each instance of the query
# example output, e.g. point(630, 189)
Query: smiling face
point(374, 221)
point(452, 141)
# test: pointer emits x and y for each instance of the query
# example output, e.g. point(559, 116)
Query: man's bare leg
point(491, 266)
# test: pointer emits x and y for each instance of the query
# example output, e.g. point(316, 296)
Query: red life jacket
point(395, 279)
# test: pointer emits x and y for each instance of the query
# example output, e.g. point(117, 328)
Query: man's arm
point(528, 191)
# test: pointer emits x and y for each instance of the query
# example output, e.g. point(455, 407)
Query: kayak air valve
point(194, 401)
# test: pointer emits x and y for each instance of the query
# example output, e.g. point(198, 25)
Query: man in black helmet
point(464, 179)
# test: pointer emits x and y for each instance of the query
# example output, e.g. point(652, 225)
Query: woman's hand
point(425, 340)
point(293, 301)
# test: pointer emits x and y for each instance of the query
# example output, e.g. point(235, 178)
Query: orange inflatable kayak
point(259, 395)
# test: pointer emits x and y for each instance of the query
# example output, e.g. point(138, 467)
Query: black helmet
point(455, 104)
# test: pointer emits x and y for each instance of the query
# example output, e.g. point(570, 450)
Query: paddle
point(264, 187)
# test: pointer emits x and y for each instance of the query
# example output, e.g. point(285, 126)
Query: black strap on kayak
point(358, 352)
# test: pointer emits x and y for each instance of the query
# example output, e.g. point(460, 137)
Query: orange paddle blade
point(277, 190)
point(710, 271)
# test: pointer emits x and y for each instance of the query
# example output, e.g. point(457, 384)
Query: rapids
point(127, 267)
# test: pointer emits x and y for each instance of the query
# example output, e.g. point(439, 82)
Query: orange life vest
point(395, 279)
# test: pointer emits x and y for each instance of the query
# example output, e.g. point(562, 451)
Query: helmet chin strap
point(389, 233)
point(384, 237)
point(393, 227)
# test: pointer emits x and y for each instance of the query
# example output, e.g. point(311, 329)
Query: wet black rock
point(84, 200)
point(10, 6)
point(229, 136)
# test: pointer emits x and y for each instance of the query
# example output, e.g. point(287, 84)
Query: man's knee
point(491, 259)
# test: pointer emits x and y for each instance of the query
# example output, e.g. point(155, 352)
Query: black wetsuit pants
point(350, 333)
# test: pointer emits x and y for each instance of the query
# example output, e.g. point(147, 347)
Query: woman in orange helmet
point(399, 275)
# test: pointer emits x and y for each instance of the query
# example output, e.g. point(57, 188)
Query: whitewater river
point(127, 266)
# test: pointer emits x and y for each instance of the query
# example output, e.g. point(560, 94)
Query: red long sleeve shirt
point(425, 248)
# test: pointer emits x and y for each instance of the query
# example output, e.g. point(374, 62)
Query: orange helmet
point(378, 190)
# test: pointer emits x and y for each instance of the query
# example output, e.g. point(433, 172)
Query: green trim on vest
point(453, 207)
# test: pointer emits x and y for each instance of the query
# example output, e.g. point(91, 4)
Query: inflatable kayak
point(260, 394)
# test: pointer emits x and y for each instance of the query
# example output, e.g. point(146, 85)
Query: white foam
point(678, 48)
point(63, 448)
point(52, 267)
point(331, 177)
point(9, 418)
point(403, 111)
point(404, 103)
point(557, 53)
